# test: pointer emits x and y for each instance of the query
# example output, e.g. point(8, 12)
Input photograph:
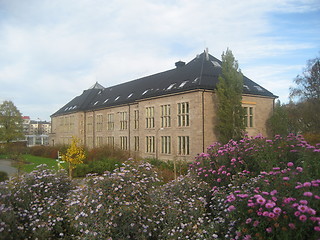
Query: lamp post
point(157, 142)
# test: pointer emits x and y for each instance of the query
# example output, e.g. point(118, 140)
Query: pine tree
point(230, 112)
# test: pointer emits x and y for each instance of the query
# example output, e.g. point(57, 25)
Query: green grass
point(33, 161)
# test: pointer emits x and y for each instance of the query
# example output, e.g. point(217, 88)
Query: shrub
point(115, 205)
point(263, 188)
point(3, 176)
point(108, 152)
point(33, 206)
point(45, 151)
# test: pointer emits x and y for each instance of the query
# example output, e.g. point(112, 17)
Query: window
point(165, 116)
point(150, 144)
point(183, 114)
point(166, 144)
point(71, 123)
point(110, 141)
point(248, 116)
point(99, 122)
point(110, 121)
point(136, 143)
point(183, 145)
point(99, 141)
point(150, 117)
point(123, 120)
point(89, 124)
point(136, 119)
point(124, 143)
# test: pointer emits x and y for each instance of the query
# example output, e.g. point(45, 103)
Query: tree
point(10, 122)
point(230, 112)
point(75, 155)
point(308, 84)
point(307, 94)
point(279, 123)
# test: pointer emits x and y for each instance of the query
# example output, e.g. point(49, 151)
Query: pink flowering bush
point(33, 206)
point(248, 157)
point(263, 189)
point(272, 208)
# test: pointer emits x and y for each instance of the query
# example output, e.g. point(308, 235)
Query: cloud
point(50, 51)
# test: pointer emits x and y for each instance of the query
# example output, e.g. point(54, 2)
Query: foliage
point(230, 113)
point(74, 155)
point(3, 176)
point(307, 94)
point(33, 206)
point(278, 123)
point(308, 84)
point(98, 167)
point(10, 122)
point(45, 151)
point(254, 188)
point(116, 205)
point(244, 173)
point(106, 152)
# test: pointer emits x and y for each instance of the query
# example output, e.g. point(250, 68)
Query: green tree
point(230, 112)
point(307, 97)
point(278, 123)
point(74, 155)
point(10, 122)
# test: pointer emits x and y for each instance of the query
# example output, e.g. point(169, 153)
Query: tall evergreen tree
point(230, 112)
point(10, 122)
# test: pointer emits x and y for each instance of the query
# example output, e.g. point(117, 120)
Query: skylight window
point(195, 80)
point(116, 98)
point(182, 84)
point(130, 95)
point(171, 86)
point(145, 92)
point(216, 64)
point(96, 103)
point(258, 88)
point(245, 86)
point(106, 100)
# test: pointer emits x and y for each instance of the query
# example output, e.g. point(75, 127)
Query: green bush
point(3, 176)
point(98, 167)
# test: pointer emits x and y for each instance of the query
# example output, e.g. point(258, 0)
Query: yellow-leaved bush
point(74, 155)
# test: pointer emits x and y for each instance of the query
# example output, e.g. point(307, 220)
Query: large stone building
point(169, 115)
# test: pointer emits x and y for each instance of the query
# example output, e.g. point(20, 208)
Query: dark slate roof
point(200, 73)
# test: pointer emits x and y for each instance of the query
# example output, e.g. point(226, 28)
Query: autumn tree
point(230, 112)
point(74, 155)
point(10, 122)
point(306, 95)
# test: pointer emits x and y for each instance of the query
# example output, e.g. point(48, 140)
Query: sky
point(52, 50)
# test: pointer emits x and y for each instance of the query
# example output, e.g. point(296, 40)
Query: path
point(5, 166)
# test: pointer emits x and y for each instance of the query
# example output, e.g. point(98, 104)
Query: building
point(36, 132)
point(168, 115)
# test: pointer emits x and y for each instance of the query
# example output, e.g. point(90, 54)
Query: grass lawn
point(33, 161)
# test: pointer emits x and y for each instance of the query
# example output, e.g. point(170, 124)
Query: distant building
point(168, 115)
point(36, 132)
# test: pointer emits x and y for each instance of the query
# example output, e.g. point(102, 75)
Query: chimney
point(180, 64)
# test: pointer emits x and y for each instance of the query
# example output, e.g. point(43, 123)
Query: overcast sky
point(52, 50)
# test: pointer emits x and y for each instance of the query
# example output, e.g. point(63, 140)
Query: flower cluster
point(33, 205)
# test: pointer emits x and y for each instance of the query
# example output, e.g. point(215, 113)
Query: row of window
point(165, 111)
point(183, 144)
point(67, 123)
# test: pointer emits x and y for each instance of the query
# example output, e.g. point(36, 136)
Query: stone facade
point(169, 127)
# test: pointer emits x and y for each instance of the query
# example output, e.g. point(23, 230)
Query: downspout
point(93, 129)
point(203, 121)
point(129, 130)
point(84, 129)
